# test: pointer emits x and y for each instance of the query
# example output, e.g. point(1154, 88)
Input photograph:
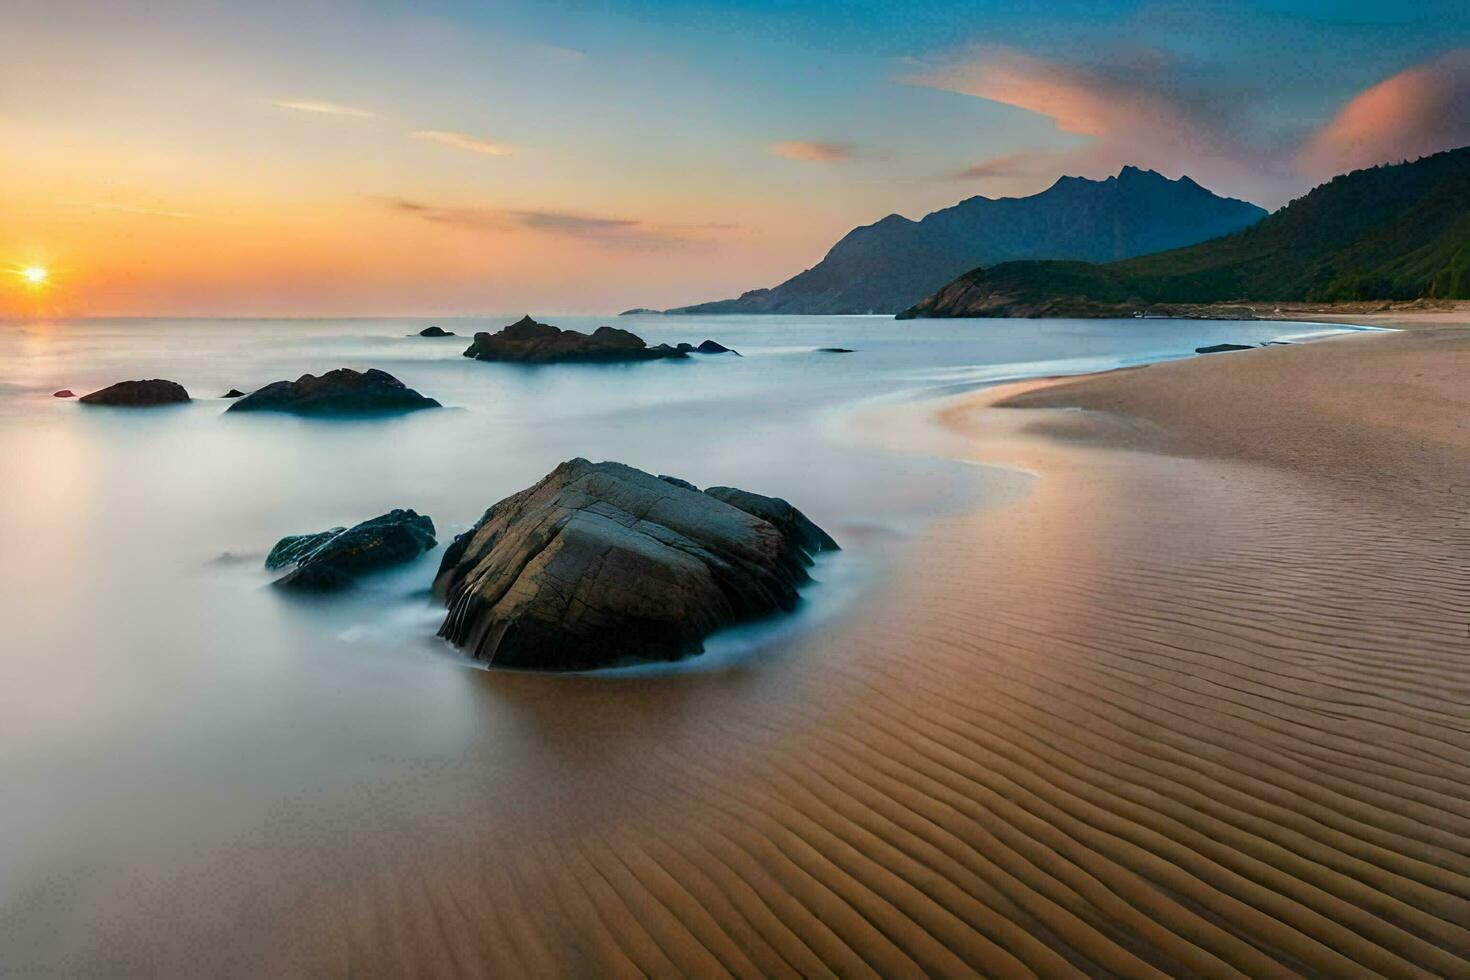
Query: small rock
point(233, 393)
point(710, 347)
point(64, 393)
point(1222, 348)
point(334, 559)
point(835, 350)
point(138, 394)
point(435, 332)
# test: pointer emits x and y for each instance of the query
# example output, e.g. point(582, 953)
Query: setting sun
point(35, 275)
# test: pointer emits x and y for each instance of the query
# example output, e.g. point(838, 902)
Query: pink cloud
point(1085, 101)
point(813, 151)
point(1416, 112)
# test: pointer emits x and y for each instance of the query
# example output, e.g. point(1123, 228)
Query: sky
point(363, 157)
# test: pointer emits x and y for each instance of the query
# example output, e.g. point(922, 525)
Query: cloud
point(1026, 163)
point(813, 151)
point(1414, 113)
point(1098, 100)
point(323, 108)
point(135, 209)
point(462, 141)
point(578, 225)
point(590, 228)
point(1138, 107)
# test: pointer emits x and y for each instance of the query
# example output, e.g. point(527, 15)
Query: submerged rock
point(601, 564)
point(233, 393)
point(435, 332)
point(335, 558)
point(1222, 348)
point(139, 394)
point(530, 342)
point(340, 392)
point(835, 350)
point(64, 393)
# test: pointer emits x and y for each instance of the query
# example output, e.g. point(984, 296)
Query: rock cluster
point(340, 392)
point(529, 342)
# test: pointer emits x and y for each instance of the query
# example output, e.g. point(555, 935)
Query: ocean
point(168, 719)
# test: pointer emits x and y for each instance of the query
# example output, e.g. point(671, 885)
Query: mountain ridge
point(886, 266)
point(1391, 232)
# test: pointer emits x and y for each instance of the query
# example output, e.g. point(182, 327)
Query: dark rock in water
point(710, 347)
point(529, 342)
point(435, 332)
point(334, 559)
point(686, 347)
point(137, 394)
point(640, 311)
point(340, 392)
point(64, 393)
point(835, 350)
point(1222, 348)
point(600, 564)
point(233, 393)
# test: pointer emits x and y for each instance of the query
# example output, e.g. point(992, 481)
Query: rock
point(233, 393)
point(1222, 348)
point(600, 564)
point(792, 523)
point(435, 332)
point(677, 482)
point(640, 311)
point(138, 394)
point(340, 392)
point(710, 347)
point(530, 342)
point(835, 350)
point(64, 393)
point(334, 559)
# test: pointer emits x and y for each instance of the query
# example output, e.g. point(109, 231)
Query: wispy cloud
point(462, 141)
point(134, 209)
point(1026, 163)
point(1416, 112)
point(1137, 107)
point(585, 227)
point(814, 151)
point(579, 225)
point(322, 108)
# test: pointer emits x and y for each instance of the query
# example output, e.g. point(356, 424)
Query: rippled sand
point(1197, 704)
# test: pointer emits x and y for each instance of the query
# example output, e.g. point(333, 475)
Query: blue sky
point(667, 151)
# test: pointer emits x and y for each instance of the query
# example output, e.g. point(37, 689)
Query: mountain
point(1390, 232)
point(887, 266)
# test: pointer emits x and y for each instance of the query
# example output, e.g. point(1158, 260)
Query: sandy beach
point(1195, 704)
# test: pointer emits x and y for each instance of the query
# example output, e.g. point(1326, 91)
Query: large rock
point(600, 564)
point(435, 332)
point(334, 559)
point(527, 341)
point(340, 392)
point(138, 394)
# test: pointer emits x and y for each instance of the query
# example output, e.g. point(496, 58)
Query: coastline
point(1176, 706)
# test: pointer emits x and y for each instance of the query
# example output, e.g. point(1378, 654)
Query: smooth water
point(160, 704)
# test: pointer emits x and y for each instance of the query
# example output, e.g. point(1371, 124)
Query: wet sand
point(1198, 703)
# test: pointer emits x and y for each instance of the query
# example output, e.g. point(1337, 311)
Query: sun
point(35, 275)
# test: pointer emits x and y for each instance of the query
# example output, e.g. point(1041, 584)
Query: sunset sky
point(358, 158)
